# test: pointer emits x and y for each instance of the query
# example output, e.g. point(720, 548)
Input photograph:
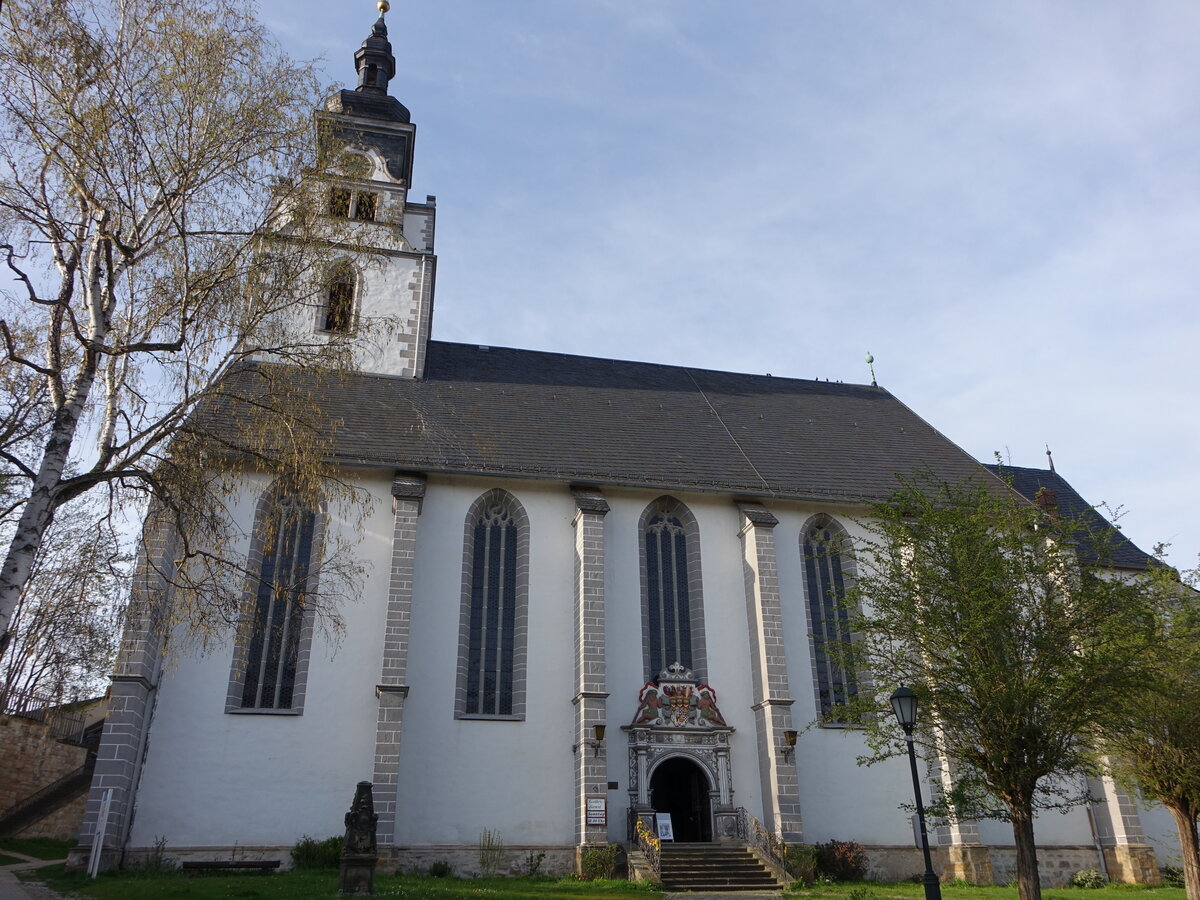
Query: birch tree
point(1015, 645)
point(67, 625)
point(147, 149)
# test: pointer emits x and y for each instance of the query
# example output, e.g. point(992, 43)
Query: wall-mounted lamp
point(789, 738)
point(598, 732)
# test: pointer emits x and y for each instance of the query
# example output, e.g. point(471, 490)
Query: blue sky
point(1000, 201)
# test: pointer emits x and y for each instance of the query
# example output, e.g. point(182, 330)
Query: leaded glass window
point(279, 607)
point(492, 615)
point(670, 621)
point(825, 584)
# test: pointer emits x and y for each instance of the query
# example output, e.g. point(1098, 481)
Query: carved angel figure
point(650, 709)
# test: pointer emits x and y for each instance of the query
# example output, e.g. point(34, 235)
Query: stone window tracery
point(672, 608)
point(828, 567)
point(270, 662)
point(494, 613)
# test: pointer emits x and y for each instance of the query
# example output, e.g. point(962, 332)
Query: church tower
point(379, 283)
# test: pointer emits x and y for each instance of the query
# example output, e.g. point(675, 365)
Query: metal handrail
point(752, 831)
point(650, 845)
point(63, 721)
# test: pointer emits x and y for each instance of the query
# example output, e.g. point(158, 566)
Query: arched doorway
point(679, 787)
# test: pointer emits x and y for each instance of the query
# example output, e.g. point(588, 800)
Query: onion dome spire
point(374, 61)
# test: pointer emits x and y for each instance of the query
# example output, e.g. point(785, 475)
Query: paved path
point(13, 889)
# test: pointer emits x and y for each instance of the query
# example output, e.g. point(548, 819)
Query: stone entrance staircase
point(714, 868)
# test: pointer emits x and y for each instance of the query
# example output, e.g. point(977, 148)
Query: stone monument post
point(359, 852)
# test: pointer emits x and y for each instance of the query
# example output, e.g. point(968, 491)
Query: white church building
point(591, 594)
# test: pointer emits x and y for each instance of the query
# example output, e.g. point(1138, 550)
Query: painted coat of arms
point(677, 700)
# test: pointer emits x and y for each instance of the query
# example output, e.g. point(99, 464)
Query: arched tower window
point(672, 605)
point(339, 300)
point(494, 621)
point(271, 660)
point(828, 568)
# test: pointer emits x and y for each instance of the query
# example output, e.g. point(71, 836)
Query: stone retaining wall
point(30, 759)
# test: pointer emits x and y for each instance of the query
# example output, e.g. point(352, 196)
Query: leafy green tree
point(1014, 643)
point(1153, 734)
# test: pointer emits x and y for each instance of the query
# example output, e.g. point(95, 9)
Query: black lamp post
point(904, 705)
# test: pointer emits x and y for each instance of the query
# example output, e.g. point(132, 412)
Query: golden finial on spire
point(383, 6)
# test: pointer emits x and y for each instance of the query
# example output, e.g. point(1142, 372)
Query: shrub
point(533, 862)
point(1172, 876)
point(157, 860)
point(441, 869)
point(598, 862)
point(842, 860)
point(1089, 878)
point(309, 853)
point(801, 862)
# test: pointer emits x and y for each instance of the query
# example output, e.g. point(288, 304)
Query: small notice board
point(597, 811)
point(662, 822)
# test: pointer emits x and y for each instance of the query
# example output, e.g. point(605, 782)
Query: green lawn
point(909, 891)
point(9, 860)
point(40, 848)
point(322, 885)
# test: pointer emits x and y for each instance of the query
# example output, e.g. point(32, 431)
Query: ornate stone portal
point(679, 718)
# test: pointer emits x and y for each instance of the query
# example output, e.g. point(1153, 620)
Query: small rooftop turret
point(373, 61)
point(376, 66)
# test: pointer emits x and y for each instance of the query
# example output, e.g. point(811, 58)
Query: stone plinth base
point(80, 856)
point(358, 874)
point(966, 862)
point(1132, 864)
point(1056, 864)
point(640, 868)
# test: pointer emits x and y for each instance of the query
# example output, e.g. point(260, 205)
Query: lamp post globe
point(904, 705)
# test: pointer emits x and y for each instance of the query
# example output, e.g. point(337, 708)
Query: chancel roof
point(1118, 551)
point(527, 413)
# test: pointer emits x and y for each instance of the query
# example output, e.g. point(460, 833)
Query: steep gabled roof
point(1119, 551)
point(527, 413)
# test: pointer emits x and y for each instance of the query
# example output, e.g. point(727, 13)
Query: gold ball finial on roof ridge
point(383, 6)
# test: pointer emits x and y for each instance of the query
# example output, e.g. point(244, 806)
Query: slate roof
point(1121, 554)
point(506, 412)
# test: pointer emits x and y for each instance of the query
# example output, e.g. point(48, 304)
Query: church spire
point(374, 62)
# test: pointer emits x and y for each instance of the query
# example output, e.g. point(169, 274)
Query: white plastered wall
point(461, 776)
point(839, 799)
point(216, 779)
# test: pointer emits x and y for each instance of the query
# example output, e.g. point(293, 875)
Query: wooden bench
point(263, 865)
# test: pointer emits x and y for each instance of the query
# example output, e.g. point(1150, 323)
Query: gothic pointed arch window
point(672, 592)
point(338, 315)
point(494, 617)
point(274, 638)
point(828, 571)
